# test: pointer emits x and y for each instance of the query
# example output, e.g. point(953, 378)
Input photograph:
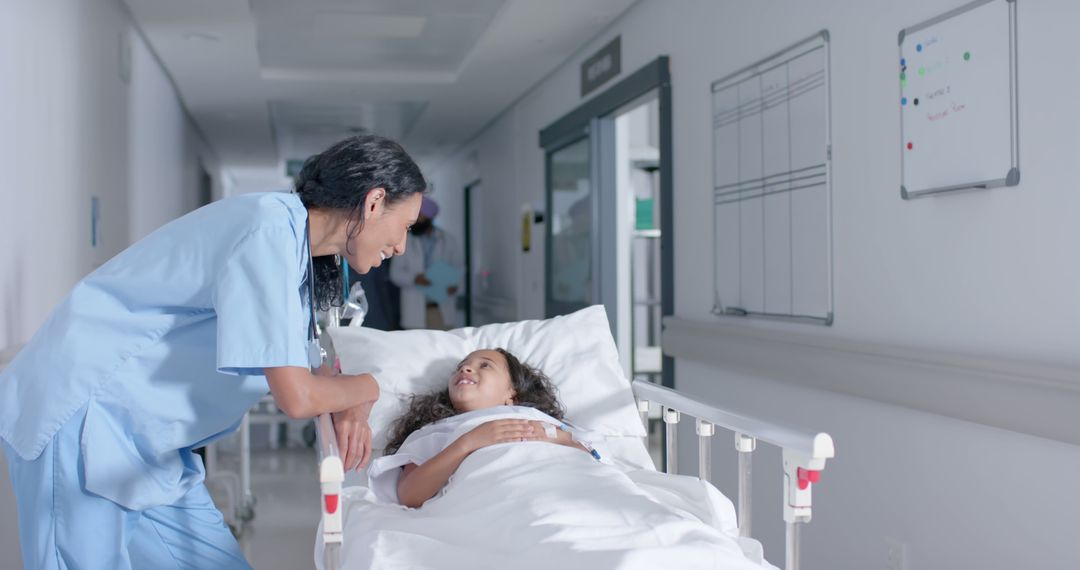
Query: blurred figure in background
point(428, 273)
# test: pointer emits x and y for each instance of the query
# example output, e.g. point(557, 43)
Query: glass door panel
point(570, 274)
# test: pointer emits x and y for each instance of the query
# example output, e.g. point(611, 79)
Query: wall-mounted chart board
point(772, 225)
point(958, 120)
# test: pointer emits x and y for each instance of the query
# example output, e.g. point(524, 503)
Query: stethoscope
point(316, 353)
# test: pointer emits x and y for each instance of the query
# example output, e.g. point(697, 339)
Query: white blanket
point(541, 505)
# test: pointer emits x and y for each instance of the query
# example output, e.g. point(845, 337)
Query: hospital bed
point(804, 456)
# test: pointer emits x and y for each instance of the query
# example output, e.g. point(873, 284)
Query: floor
point(286, 489)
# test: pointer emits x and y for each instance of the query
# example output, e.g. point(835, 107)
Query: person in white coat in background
point(426, 245)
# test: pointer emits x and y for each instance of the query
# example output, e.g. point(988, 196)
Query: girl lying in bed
point(537, 501)
point(486, 384)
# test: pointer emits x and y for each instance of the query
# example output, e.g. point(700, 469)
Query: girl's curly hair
point(531, 388)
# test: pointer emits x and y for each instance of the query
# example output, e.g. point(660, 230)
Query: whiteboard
point(772, 224)
point(958, 120)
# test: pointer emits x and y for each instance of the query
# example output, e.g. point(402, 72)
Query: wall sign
point(601, 66)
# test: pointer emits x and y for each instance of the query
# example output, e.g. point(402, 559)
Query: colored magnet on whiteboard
point(909, 146)
point(967, 55)
point(916, 101)
point(903, 75)
point(903, 100)
point(918, 47)
point(903, 62)
point(922, 71)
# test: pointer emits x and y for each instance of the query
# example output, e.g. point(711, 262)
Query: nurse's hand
point(354, 435)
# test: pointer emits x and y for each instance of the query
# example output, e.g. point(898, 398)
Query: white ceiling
point(272, 80)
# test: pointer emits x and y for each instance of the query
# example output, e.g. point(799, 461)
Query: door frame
point(589, 118)
point(468, 252)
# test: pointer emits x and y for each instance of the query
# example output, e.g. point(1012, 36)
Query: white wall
point(247, 180)
point(980, 272)
point(167, 153)
point(991, 272)
point(66, 118)
point(9, 522)
point(72, 128)
point(9, 215)
point(501, 171)
point(957, 494)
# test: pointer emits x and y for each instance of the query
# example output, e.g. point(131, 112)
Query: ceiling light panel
point(306, 128)
point(367, 26)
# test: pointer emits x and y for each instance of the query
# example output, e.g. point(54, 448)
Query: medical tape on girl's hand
point(550, 431)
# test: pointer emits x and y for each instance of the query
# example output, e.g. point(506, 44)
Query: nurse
point(163, 349)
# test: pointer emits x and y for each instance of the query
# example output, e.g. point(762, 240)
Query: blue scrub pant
point(63, 526)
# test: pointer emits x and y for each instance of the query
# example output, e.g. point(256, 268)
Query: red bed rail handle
point(331, 503)
point(807, 476)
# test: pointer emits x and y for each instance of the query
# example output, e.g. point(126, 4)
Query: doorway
point(474, 236)
point(638, 237)
point(609, 197)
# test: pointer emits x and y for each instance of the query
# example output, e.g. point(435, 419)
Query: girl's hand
point(500, 431)
point(354, 435)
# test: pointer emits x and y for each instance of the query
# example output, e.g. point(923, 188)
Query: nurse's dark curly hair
point(339, 178)
point(531, 388)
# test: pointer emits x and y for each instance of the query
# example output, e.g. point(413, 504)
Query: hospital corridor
point(539, 284)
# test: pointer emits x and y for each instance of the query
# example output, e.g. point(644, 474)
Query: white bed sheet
point(540, 505)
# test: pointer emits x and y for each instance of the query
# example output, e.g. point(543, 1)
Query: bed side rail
point(331, 477)
point(804, 453)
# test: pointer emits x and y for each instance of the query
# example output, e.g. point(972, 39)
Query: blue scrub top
point(165, 345)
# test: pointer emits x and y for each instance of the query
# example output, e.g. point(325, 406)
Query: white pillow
point(576, 351)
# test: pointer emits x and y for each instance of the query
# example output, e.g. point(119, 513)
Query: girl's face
point(384, 230)
point(481, 381)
